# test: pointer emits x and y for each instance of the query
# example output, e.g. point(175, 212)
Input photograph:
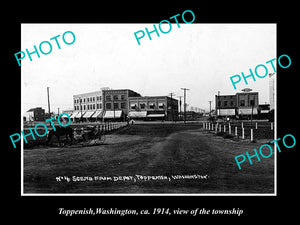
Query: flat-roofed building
point(153, 108)
point(34, 114)
point(226, 105)
point(242, 104)
point(116, 103)
point(247, 103)
point(88, 106)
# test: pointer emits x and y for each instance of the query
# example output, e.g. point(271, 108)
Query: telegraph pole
point(48, 102)
point(184, 102)
point(172, 105)
point(209, 108)
point(180, 107)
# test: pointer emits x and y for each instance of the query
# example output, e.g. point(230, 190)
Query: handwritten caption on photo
point(133, 178)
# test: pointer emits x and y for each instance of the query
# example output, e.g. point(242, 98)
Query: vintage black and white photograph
point(171, 108)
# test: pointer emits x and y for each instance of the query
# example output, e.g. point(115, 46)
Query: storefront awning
point(97, 114)
point(88, 114)
point(79, 115)
point(264, 111)
point(73, 115)
point(64, 115)
point(226, 112)
point(155, 115)
point(247, 111)
point(112, 114)
point(137, 114)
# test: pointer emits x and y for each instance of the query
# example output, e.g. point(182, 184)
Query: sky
point(200, 57)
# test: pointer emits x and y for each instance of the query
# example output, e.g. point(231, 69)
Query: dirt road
point(160, 154)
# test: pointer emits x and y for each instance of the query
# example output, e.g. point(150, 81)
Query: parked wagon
point(89, 135)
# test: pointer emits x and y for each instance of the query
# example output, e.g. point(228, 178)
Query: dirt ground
point(204, 161)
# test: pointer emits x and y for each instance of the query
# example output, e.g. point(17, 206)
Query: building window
point(75, 107)
point(93, 99)
point(88, 99)
point(123, 105)
point(83, 107)
point(161, 105)
point(133, 106)
point(98, 98)
point(116, 105)
point(116, 97)
point(108, 98)
point(123, 97)
point(142, 105)
point(242, 103)
point(151, 105)
point(108, 105)
point(231, 103)
point(219, 103)
point(252, 102)
point(94, 106)
point(225, 103)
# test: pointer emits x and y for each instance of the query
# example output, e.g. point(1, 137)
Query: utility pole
point(180, 107)
point(209, 108)
point(48, 102)
point(217, 106)
point(172, 105)
point(252, 105)
point(184, 102)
